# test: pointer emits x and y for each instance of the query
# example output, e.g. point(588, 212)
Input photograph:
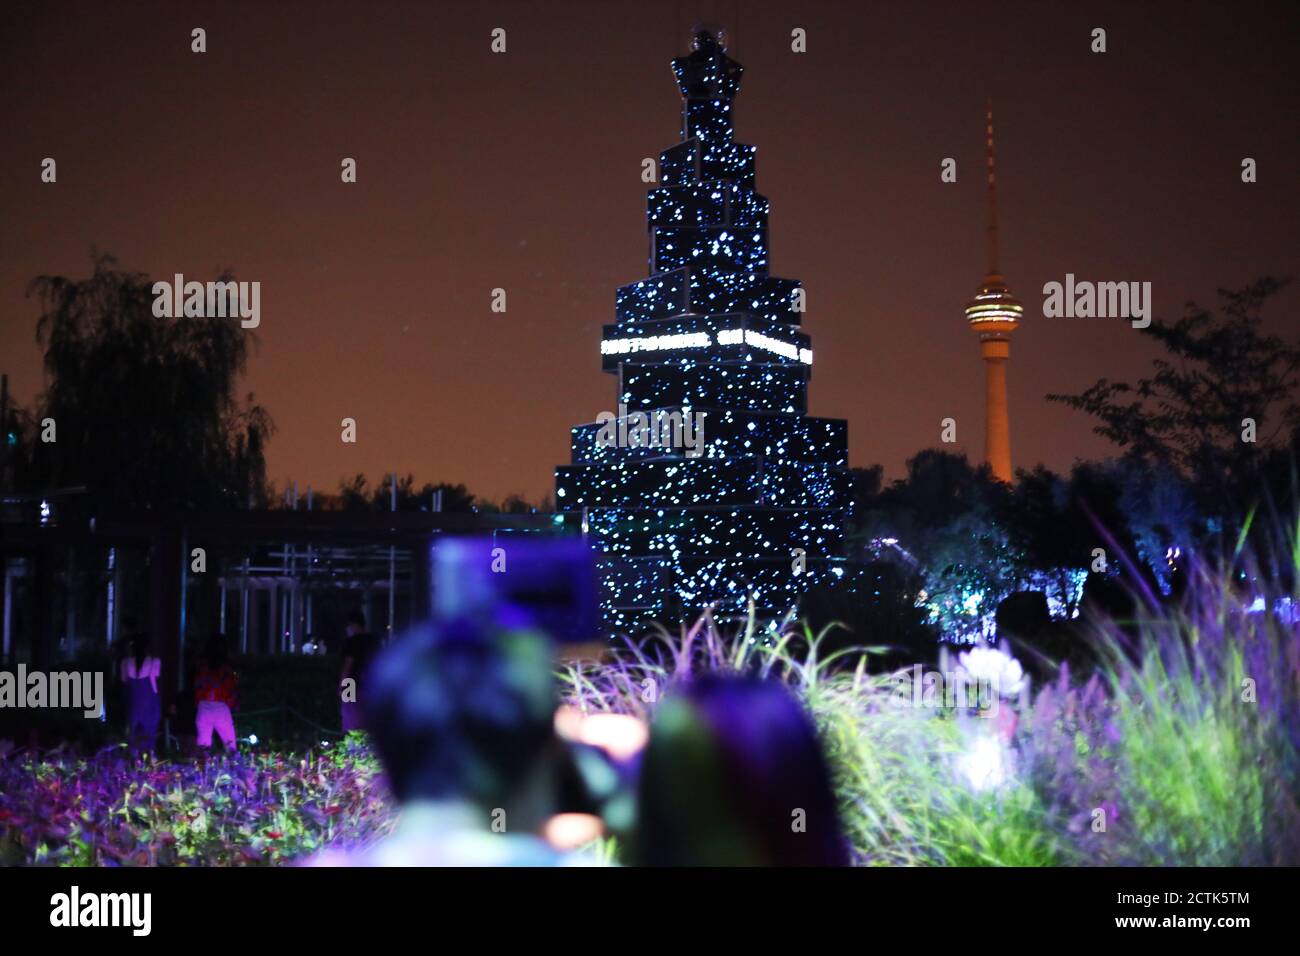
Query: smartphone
point(523, 579)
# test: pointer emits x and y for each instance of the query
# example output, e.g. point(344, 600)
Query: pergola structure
point(271, 569)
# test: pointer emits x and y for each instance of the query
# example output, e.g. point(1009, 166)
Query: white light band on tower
point(656, 343)
point(695, 340)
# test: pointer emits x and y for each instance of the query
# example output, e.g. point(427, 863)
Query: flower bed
point(251, 808)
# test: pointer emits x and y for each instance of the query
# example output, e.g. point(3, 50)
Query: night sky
point(522, 171)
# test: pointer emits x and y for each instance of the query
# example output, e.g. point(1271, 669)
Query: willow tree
point(145, 409)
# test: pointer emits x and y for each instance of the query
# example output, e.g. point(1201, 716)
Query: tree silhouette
point(145, 408)
point(1222, 371)
point(358, 495)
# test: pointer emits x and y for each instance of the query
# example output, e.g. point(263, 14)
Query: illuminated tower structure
point(993, 315)
point(757, 511)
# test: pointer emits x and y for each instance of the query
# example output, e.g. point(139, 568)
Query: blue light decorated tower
point(752, 505)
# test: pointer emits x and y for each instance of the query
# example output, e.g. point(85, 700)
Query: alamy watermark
point(656, 429)
point(1085, 300)
point(83, 690)
point(219, 300)
point(917, 687)
point(133, 911)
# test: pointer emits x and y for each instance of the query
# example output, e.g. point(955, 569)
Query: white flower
point(985, 765)
point(995, 667)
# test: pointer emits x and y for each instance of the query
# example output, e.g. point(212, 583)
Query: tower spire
point(993, 194)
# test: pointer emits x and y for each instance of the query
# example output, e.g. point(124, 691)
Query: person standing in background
point(139, 672)
point(359, 649)
point(216, 695)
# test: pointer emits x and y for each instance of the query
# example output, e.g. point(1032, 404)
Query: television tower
point(993, 315)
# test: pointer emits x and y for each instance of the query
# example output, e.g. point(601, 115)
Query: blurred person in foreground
point(734, 776)
point(460, 714)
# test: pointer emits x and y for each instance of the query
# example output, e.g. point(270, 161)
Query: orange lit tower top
point(993, 315)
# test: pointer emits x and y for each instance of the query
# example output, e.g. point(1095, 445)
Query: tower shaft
point(997, 422)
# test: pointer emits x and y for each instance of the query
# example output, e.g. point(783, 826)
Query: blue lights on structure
point(710, 333)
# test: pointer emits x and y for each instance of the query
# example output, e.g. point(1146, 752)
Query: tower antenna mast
point(993, 194)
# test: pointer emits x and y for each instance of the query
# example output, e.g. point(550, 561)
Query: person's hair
point(137, 648)
point(355, 619)
point(458, 710)
point(734, 775)
point(214, 652)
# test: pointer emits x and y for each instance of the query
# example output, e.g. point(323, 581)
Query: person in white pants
point(215, 695)
point(215, 716)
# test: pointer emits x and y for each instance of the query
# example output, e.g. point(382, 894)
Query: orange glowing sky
point(522, 171)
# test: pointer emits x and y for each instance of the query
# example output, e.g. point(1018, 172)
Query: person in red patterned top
point(216, 694)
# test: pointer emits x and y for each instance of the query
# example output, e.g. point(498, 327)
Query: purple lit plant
point(113, 809)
